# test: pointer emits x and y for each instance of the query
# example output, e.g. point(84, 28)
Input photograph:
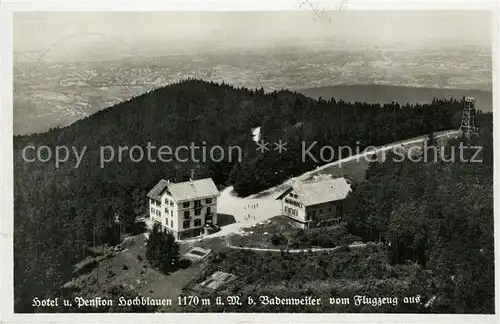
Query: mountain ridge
point(384, 93)
point(369, 93)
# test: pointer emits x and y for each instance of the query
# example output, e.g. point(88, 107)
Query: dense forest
point(58, 212)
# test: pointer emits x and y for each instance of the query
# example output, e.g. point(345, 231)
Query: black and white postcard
point(220, 164)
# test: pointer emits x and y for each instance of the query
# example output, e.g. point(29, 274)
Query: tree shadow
point(225, 219)
point(138, 228)
point(262, 194)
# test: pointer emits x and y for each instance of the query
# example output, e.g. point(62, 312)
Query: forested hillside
point(58, 211)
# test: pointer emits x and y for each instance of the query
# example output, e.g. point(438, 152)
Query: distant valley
point(50, 94)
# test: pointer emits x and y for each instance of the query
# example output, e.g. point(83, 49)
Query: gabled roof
point(187, 190)
point(318, 192)
point(157, 190)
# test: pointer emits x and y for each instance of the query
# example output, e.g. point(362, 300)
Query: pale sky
point(160, 32)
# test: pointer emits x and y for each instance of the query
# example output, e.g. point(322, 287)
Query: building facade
point(315, 203)
point(186, 209)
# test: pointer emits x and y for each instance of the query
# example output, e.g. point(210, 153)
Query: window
point(172, 223)
point(197, 203)
point(330, 209)
point(186, 204)
point(209, 210)
point(293, 202)
point(197, 211)
point(321, 211)
point(166, 201)
point(166, 210)
point(171, 212)
point(171, 203)
point(152, 210)
point(186, 214)
point(186, 224)
point(208, 200)
point(197, 222)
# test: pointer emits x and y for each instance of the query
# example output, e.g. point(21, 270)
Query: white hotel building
point(184, 208)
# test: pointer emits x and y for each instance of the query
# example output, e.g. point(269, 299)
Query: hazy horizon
point(69, 65)
point(73, 36)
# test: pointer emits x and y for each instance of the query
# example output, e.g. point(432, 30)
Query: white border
point(6, 170)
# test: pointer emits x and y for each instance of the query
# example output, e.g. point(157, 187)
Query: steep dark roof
point(157, 190)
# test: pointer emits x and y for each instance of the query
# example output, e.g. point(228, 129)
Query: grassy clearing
point(130, 268)
point(263, 234)
point(281, 234)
